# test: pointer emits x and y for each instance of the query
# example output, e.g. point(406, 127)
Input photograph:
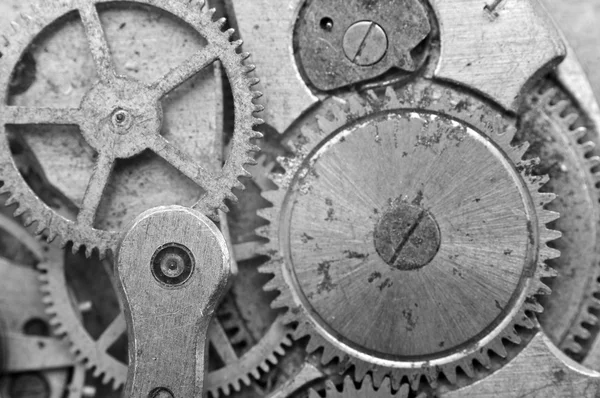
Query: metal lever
point(172, 269)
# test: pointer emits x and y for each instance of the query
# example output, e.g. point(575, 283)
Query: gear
point(559, 136)
point(245, 341)
point(366, 390)
point(120, 117)
point(374, 257)
point(237, 365)
point(24, 311)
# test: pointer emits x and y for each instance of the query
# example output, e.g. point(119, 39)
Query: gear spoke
point(95, 189)
point(185, 164)
point(33, 115)
point(187, 70)
point(220, 342)
point(97, 41)
point(115, 330)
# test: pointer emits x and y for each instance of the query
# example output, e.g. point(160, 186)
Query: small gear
point(22, 311)
point(412, 235)
point(559, 135)
point(366, 390)
point(120, 117)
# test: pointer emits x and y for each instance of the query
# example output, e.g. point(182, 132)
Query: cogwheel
point(366, 390)
point(243, 347)
point(93, 352)
point(411, 234)
point(120, 117)
point(559, 136)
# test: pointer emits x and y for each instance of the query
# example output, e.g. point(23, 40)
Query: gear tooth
point(548, 95)
point(571, 119)
point(484, 359)
point(468, 369)
point(257, 121)
point(594, 303)
point(542, 289)
point(245, 55)
point(385, 384)
point(259, 108)
point(450, 373)
point(312, 345)
point(15, 26)
point(588, 146)
point(19, 211)
point(257, 94)
point(560, 107)
point(226, 390)
point(585, 334)
point(11, 201)
point(327, 357)
point(571, 346)
point(512, 336)
point(498, 347)
point(229, 33)
point(237, 43)
point(548, 253)
point(249, 68)
point(593, 162)
point(348, 384)
point(211, 12)
point(414, 380)
point(590, 318)
point(221, 22)
point(578, 133)
point(525, 321)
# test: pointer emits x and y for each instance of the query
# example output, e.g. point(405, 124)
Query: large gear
point(244, 342)
point(93, 352)
point(348, 270)
point(560, 136)
point(366, 390)
point(129, 115)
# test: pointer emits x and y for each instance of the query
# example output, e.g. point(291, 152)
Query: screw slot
point(327, 24)
point(172, 264)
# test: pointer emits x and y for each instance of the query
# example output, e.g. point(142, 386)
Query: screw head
point(172, 264)
point(407, 237)
point(365, 43)
point(121, 120)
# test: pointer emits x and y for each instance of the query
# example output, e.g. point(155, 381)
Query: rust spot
point(306, 237)
point(353, 254)
point(386, 283)
point(326, 284)
point(373, 276)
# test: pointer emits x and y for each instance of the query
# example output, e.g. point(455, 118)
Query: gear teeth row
point(565, 112)
point(366, 389)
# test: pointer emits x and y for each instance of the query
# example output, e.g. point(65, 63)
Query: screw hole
point(36, 327)
point(327, 24)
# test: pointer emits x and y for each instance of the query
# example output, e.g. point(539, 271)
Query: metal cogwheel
point(366, 390)
point(238, 368)
point(120, 117)
point(351, 275)
point(559, 135)
point(48, 378)
point(244, 342)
